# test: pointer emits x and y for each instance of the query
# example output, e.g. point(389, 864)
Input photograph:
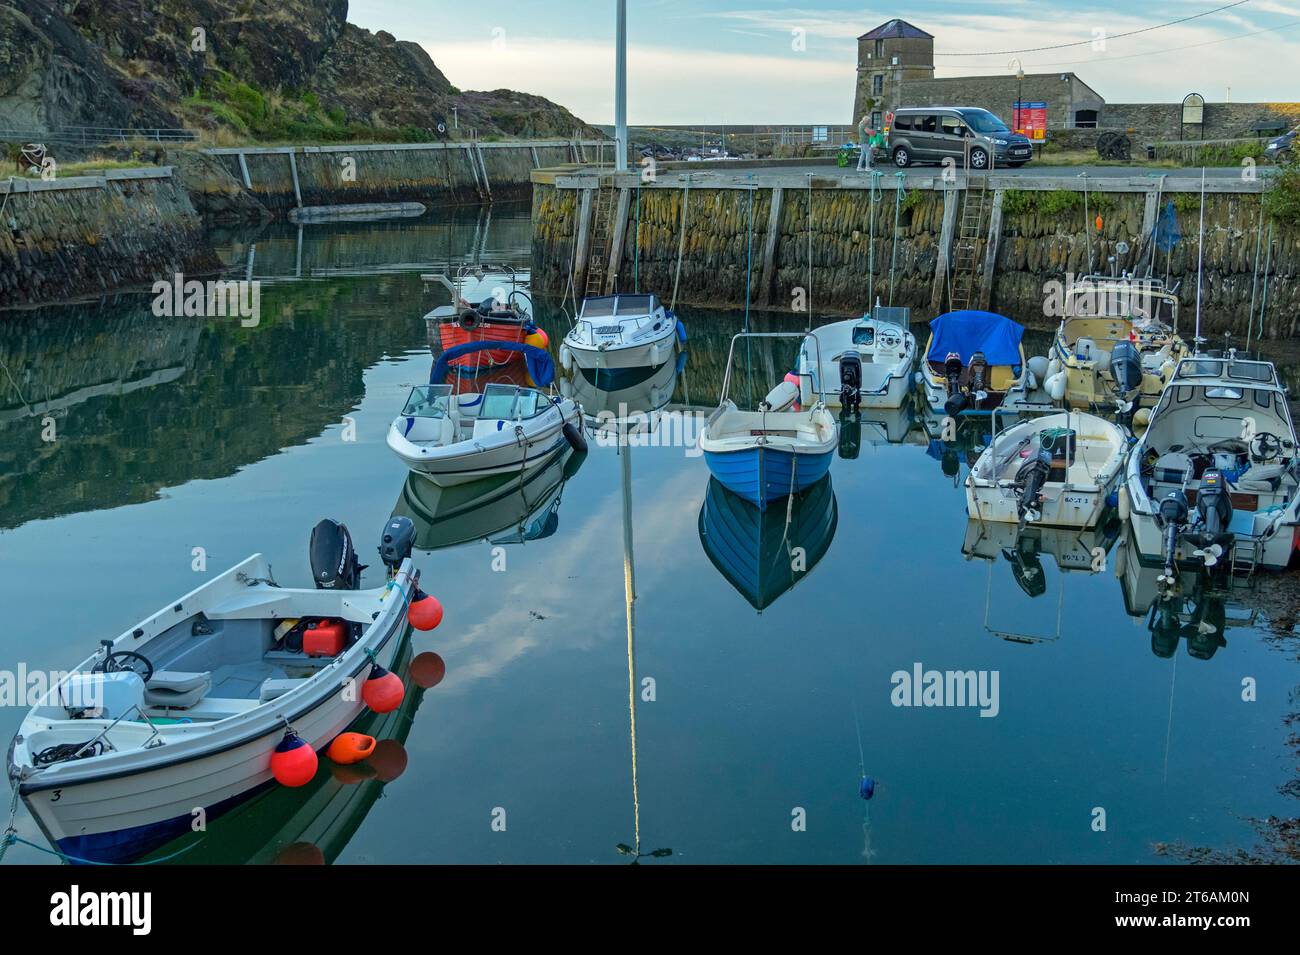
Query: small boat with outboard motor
point(1116, 346)
point(1214, 482)
point(868, 363)
point(975, 362)
point(453, 438)
point(630, 330)
point(226, 690)
point(1057, 470)
point(765, 455)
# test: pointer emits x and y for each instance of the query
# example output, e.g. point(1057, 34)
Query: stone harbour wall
point(734, 248)
point(87, 235)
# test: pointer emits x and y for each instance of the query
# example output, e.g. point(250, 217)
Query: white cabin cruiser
point(1056, 470)
point(866, 363)
point(622, 331)
point(185, 710)
point(1213, 482)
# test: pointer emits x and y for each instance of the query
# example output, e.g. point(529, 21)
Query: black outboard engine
point(850, 436)
point(957, 401)
point(851, 381)
point(396, 543)
point(333, 559)
point(1126, 370)
point(1172, 519)
point(1031, 477)
point(979, 375)
point(1214, 512)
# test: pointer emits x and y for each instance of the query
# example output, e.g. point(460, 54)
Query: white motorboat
point(1214, 480)
point(866, 363)
point(182, 713)
point(622, 331)
point(1056, 470)
point(453, 438)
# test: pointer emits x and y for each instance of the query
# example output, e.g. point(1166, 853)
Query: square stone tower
point(888, 56)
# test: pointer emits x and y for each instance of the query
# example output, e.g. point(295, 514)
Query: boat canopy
point(541, 368)
point(968, 331)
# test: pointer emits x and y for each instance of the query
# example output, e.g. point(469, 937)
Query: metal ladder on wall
point(1245, 557)
point(601, 228)
point(965, 266)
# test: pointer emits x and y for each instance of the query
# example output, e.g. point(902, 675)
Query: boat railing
point(103, 735)
point(731, 353)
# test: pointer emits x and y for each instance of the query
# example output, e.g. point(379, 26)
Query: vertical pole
point(620, 90)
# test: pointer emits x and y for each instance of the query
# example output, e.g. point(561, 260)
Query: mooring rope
point(749, 252)
point(893, 255)
point(874, 195)
point(1268, 265)
point(681, 241)
point(636, 242)
point(1087, 222)
point(808, 298)
point(1254, 278)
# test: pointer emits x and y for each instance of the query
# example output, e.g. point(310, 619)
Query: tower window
point(877, 84)
point(880, 48)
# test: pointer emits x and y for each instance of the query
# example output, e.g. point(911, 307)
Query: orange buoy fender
point(350, 748)
point(383, 690)
point(293, 763)
point(425, 612)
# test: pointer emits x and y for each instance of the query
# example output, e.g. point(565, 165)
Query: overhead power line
point(1134, 56)
point(1116, 36)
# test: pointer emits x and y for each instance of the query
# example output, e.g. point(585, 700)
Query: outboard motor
point(851, 381)
point(1172, 519)
point(957, 401)
point(1126, 370)
point(396, 543)
point(1213, 512)
point(979, 375)
point(333, 559)
point(1031, 477)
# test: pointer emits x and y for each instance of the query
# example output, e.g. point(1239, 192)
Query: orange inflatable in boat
point(350, 748)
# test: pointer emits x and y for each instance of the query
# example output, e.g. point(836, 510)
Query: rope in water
point(893, 255)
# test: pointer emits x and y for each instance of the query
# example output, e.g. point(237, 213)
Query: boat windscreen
point(509, 402)
point(428, 401)
point(598, 307)
point(632, 305)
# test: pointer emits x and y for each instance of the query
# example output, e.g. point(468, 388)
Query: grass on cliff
point(240, 112)
point(1282, 199)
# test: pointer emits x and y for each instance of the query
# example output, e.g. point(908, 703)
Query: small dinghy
point(1056, 470)
point(868, 365)
point(622, 331)
point(488, 304)
point(456, 438)
point(192, 707)
point(765, 455)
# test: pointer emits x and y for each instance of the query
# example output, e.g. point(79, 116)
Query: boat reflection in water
point(313, 824)
point(624, 399)
point(764, 553)
point(954, 441)
point(1023, 550)
point(501, 509)
point(1197, 608)
point(877, 427)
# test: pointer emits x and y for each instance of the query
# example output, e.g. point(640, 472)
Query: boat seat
point(273, 688)
point(176, 689)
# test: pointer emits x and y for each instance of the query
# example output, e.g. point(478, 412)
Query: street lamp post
point(620, 90)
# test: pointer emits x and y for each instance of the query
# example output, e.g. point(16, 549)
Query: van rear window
point(927, 124)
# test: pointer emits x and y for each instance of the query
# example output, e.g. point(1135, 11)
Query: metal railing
point(96, 135)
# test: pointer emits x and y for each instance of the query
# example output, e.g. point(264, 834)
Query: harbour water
point(178, 434)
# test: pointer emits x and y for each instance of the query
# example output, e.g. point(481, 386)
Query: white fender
point(1142, 418)
point(1055, 386)
point(1038, 366)
point(783, 396)
point(566, 358)
point(1053, 367)
point(1123, 502)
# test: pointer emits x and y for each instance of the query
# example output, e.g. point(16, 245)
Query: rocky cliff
point(233, 64)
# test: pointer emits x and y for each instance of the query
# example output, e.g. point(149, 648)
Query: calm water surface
point(174, 434)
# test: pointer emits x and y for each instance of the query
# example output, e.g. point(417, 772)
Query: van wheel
point(901, 158)
point(979, 159)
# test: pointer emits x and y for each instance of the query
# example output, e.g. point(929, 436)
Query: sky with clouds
point(735, 61)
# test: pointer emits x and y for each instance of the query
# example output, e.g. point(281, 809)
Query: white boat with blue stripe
point(506, 429)
point(768, 454)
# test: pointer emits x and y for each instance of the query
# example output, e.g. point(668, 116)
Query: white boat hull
point(640, 355)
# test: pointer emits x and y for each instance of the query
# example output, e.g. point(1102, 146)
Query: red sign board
point(1030, 119)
